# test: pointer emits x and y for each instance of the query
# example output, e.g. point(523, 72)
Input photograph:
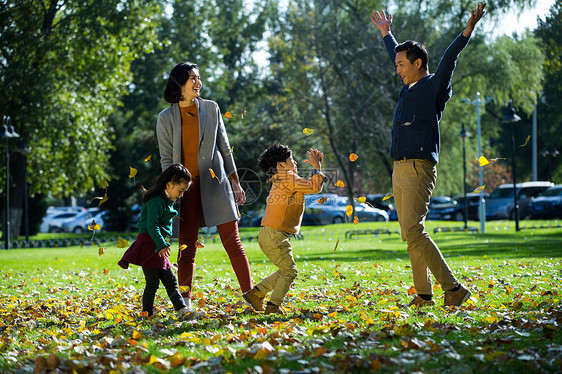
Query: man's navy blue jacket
point(415, 130)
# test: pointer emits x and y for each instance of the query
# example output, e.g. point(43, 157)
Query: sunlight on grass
point(70, 309)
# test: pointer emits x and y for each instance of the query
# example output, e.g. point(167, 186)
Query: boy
point(282, 219)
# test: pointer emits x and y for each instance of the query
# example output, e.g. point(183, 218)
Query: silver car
point(500, 204)
point(333, 210)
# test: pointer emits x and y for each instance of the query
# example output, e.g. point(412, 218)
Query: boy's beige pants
point(413, 182)
point(277, 247)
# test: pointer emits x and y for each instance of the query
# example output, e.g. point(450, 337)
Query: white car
point(80, 222)
point(53, 222)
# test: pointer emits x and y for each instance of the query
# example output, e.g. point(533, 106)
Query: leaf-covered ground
point(66, 310)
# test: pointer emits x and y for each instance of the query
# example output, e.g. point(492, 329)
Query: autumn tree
point(65, 64)
point(221, 38)
point(337, 79)
point(549, 32)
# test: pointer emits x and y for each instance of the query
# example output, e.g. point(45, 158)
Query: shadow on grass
point(497, 246)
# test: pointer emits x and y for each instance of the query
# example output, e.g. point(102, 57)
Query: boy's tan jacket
point(285, 203)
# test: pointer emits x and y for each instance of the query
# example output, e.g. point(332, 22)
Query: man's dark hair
point(177, 79)
point(269, 158)
point(414, 50)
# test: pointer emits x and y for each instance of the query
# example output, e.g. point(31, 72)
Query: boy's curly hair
point(269, 158)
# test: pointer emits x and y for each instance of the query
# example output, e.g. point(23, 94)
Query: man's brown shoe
point(274, 309)
point(456, 298)
point(255, 298)
point(419, 302)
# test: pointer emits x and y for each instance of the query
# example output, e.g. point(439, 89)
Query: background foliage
point(83, 83)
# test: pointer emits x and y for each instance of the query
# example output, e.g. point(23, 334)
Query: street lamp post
point(24, 150)
point(511, 118)
point(550, 155)
point(463, 135)
point(482, 202)
point(7, 132)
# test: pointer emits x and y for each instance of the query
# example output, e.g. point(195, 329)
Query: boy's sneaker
point(419, 302)
point(456, 298)
point(254, 299)
point(274, 309)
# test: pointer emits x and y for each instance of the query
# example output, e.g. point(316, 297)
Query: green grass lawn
point(69, 309)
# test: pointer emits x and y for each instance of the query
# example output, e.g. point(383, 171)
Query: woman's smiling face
point(192, 87)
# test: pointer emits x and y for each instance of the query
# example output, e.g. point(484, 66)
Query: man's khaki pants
point(277, 247)
point(413, 182)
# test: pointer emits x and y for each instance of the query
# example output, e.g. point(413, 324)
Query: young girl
point(150, 250)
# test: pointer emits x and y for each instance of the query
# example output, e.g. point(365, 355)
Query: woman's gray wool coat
point(214, 153)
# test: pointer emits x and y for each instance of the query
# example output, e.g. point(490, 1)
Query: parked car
point(53, 222)
point(500, 203)
point(548, 204)
point(376, 200)
point(438, 200)
point(80, 222)
point(333, 210)
point(454, 209)
point(64, 209)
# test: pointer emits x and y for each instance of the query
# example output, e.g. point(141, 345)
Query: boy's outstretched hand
point(315, 158)
point(476, 15)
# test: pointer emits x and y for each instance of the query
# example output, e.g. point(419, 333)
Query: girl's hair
point(269, 158)
point(176, 174)
point(177, 79)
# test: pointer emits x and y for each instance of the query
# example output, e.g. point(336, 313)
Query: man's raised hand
point(382, 22)
point(476, 15)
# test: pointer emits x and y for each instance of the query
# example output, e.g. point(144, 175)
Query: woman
point(191, 132)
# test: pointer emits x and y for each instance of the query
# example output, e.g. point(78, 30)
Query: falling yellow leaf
point(526, 141)
point(121, 243)
point(483, 161)
point(307, 131)
point(132, 172)
point(102, 199)
point(361, 199)
point(182, 247)
point(479, 189)
point(231, 151)
point(348, 210)
point(339, 183)
point(355, 220)
point(353, 157)
point(336, 246)
point(94, 226)
point(104, 184)
point(496, 159)
point(213, 175)
point(228, 115)
point(101, 251)
point(322, 200)
point(147, 158)
point(388, 196)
